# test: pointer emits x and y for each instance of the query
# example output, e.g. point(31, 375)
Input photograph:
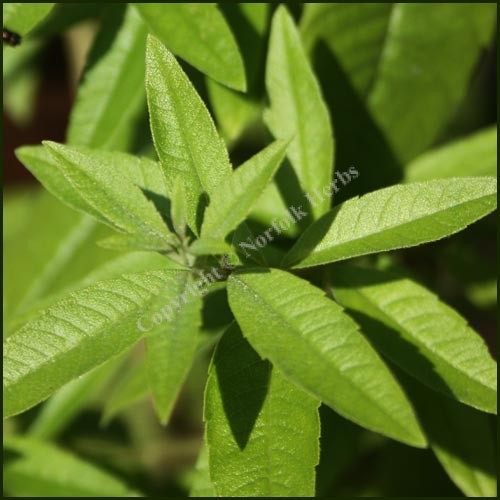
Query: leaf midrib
point(285, 321)
point(387, 229)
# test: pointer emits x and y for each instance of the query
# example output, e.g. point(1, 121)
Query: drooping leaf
point(298, 110)
point(75, 335)
point(40, 469)
point(421, 334)
point(21, 18)
point(112, 187)
point(112, 88)
point(199, 34)
point(236, 195)
point(475, 155)
point(261, 430)
point(184, 134)
point(315, 344)
point(171, 342)
point(395, 217)
point(461, 437)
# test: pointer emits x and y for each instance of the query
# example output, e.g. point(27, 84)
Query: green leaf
point(68, 402)
point(396, 217)
point(475, 155)
point(111, 187)
point(394, 52)
point(354, 32)
point(38, 469)
point(21, 78)
point(75, 335)
point(199, 34)
point(298, 110)
point(236, 112)
point(112, 87)
point(430, 51)
point(461, 438)
point(202, 486)
point(171, 341)
point(130, 389)
point(21, 18)
point(178, 209)
point(236, 195)
point(309, 338)
point(421, 334)
point(184, 134)
point(210, 246)
point(262, 431)
point(58, 254)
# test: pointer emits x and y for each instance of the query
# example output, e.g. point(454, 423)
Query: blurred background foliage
point(436, 88)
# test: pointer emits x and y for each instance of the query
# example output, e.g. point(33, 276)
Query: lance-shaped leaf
point(199, 34)
point(171, 342)
point(184, 134)
point(421, 334)
point(298, 110)
point(262, 431)
point(315, 344)
point(112, 187)
point(75, 335)
point(21, 18)
point(475, 155)
point(236, 195)
point(34, 468)
point(112, 89)
point(395, 217)
point(462, 438)
point(392, 52)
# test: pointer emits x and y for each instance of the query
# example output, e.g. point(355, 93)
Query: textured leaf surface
point(462, 439)
point(171, 342)
point(235, 196)
point(297, 109)
point(421, 334)
point(112, 87)
point(309, 338)
point(475, 155)
point(262, 431)
point(199, 34)
point(184, 134)
point(40, 469)
point(75, 335)
point(395, 217)
point(109, 186)
point(23, 17)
